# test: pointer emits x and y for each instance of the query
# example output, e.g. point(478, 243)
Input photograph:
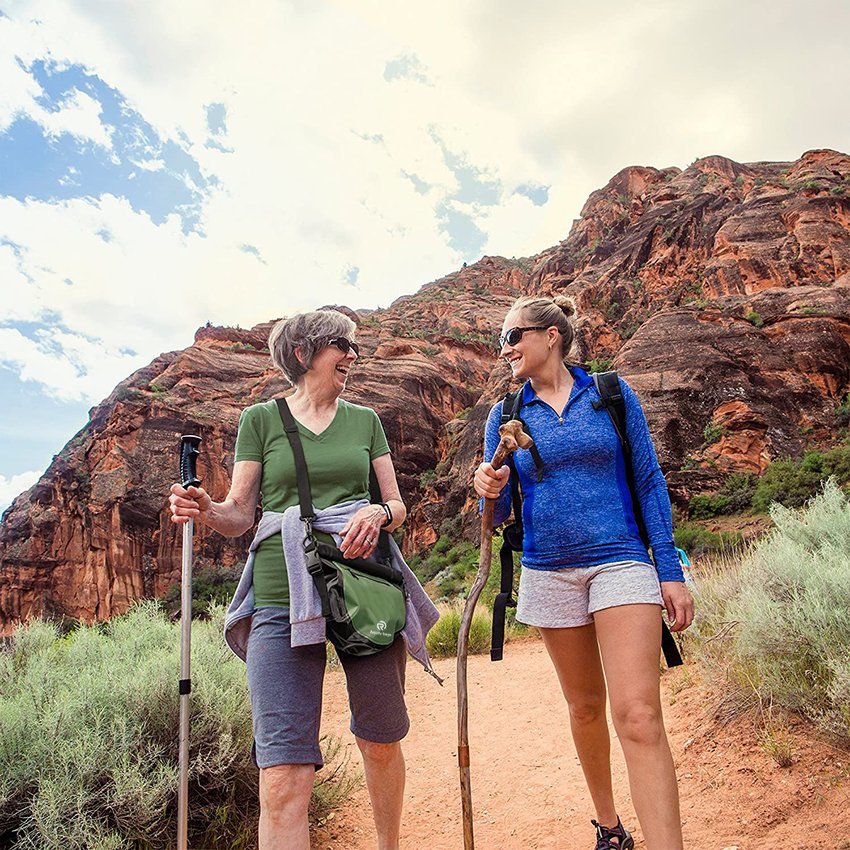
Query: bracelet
point(389, 514)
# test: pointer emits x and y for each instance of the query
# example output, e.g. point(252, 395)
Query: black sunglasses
point(514, 335)
point(344, 345)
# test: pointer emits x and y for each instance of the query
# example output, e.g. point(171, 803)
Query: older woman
point(587, 580)
point(341, 441)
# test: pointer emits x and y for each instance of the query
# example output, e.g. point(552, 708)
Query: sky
point(164, 164)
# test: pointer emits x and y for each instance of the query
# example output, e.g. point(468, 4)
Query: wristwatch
point(389, 514)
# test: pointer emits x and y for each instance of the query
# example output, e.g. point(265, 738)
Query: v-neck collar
point(303, 429)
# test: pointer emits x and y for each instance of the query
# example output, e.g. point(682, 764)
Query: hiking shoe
point(613, 839)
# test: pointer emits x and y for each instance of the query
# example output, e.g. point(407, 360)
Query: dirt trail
point(528, 789)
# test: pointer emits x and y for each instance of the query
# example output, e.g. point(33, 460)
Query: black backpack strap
point(511, 541)
point(305, 498)
point(611, 399)
point(505, 598)
point(511, 405)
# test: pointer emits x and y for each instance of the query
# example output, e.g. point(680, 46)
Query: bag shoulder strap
point(305, 497)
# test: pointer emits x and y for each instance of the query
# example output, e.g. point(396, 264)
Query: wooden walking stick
point(513, 437)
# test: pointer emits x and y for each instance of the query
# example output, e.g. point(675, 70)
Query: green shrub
point(792, 482)
point(755, 319)
point(712, 433)
point(442, 639)
point(599, 365)
point(88, 740)
point(836, 462)
point(842, 412)
point(698, 541)
point(442, 545)
point(792, 611)
point(738, 489)
point(458, 571)
point(210, 586)
point(706, 507)
point(734, 496)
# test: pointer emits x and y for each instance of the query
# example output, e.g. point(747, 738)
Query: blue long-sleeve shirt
point(580, 514)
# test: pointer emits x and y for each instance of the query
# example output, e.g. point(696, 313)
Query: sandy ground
point(528, 789)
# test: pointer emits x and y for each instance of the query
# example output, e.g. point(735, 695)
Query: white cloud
point(69, 367)
point(17, 484)
point(562, 95)
point(78, 114)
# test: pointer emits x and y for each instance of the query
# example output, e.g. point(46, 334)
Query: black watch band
point(389, 514)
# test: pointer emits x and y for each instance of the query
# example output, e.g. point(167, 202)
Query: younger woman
point(587, 582)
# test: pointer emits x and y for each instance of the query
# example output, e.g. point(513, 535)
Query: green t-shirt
point(338, 462)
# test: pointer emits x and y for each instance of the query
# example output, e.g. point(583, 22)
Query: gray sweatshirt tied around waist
point(305, 607)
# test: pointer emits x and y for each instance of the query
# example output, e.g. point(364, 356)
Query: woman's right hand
point(489, 482)
point(188, 504)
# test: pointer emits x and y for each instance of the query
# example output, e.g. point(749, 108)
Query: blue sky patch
point(406, 67)
point(474, 186)
point(217, 119)
point(538, 195)
point(374, 138)
point(157, 176)
point(33, 427)
point(422, 188)
point(464, 235)
point(253, 250)
point(350, 274)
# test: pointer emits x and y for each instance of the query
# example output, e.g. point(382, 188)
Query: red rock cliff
point(721, 292)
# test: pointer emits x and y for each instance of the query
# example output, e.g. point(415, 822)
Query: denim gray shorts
point(557, 599)
point(285, 684)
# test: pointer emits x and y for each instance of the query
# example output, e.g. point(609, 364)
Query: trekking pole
point(188, 476)
point(513, 437)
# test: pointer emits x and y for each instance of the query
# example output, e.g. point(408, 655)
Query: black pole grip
point(188, 460)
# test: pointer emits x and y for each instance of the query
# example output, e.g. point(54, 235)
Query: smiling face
point(528, 356)
point(330, 366)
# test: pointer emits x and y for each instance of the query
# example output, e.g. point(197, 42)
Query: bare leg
point(630, 641)
point(575, 654)
point(284, 797)
point(384, 768)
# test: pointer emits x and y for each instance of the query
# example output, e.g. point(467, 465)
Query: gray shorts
point(558, 599)
point(285, 684)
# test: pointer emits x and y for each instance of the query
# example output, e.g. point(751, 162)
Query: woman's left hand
point(360, 534)
point(679, 604)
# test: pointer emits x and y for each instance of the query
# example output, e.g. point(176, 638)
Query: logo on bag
point(380, 630)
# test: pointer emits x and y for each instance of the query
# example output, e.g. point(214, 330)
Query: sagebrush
point(88, 737)
point(780, 619)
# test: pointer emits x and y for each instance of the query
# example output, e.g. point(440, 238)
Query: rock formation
point(721, 292)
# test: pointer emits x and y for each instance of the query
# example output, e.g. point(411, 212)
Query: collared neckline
point(581, 380)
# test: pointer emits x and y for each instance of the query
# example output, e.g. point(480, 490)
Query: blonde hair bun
point(567, 305)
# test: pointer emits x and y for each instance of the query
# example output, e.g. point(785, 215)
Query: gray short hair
point(310, 331)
